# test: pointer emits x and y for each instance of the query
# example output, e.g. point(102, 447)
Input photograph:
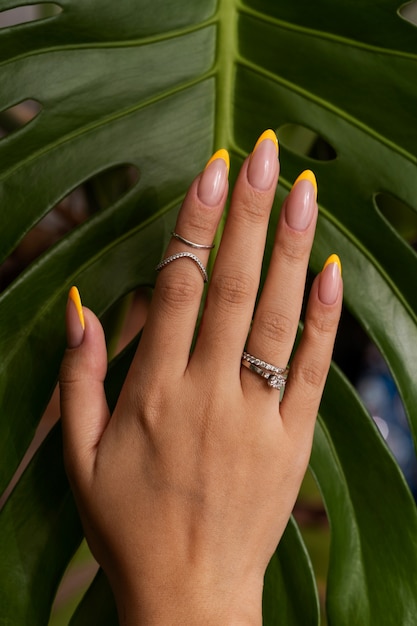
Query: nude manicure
point(212, 184)
point(301, 203)
point(263, 161)
point(330, 280)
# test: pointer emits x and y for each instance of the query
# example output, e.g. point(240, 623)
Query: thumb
point(84, 409)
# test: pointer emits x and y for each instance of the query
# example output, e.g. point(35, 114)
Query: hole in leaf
point(306, 142)
point(399, 214)
point(95, 194)
point(28, 13)
point(17, 116)
point(77, 578)
point(408, 12)
point(122, 323)
point(363, 364)
point(380, 396)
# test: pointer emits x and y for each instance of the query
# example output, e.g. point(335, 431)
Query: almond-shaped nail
point(212, 184)
point(330, 280)
point(301, 204)
point(310, 177)
point(264, 161)
point(74, 319)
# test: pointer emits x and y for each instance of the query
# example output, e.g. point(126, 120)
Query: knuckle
point(69, 373)
point(148, 405)
point(255, 210)
point(200, 226)
point(274, 326)
point(179, 289)
point(232, 290)
point(310, 375)
point(320, 325)
point(293, 248)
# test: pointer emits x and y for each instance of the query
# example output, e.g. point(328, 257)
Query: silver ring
point(276, 377)
point(181, 255)
point(199, 246)
point(276, 381)
point(264, 365)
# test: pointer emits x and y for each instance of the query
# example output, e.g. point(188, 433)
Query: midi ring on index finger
point(199, 246)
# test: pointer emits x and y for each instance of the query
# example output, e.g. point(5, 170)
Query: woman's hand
point(185, 492)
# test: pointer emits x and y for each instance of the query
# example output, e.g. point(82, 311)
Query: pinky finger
point(311, 362)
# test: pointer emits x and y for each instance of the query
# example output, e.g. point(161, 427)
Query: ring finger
point(276, 318)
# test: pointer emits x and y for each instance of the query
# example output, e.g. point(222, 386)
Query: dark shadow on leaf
point(28, 13)
point(95, 194)
point(306, 142)
point(399, 214)
point(19, 115)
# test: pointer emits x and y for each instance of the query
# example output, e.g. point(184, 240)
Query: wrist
point(173, 604)
point(177, 614)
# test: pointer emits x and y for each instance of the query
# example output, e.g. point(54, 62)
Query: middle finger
point(235, 279)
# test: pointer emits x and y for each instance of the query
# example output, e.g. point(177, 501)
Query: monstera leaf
point(159, 85)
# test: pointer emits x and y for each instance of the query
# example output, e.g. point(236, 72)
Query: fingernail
point(330, 280)
point(74, 319)
point(263, 161)
point(214, 178)
point(301, 204)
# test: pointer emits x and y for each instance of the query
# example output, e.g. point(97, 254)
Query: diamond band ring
point(180, 255)
point(276, 377)
point(199, 246)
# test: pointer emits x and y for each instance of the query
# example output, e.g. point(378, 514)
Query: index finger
point(170, 325)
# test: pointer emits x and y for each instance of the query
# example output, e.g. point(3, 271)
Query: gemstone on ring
point(276, 377)
point(276, 381)
point(264, 365)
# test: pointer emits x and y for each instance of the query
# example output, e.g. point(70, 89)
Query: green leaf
point(39, 524)
point(40, 531)
point(34, 320)
point(290, 594)
point(372, 515)
point(160, 85)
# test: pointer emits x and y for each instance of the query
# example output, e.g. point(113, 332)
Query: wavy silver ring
point(199, 246)
point(181, 255)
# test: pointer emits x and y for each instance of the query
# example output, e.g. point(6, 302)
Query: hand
point(185, 492)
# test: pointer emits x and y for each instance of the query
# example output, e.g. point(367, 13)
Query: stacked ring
point(276, 377)
point(188, 255)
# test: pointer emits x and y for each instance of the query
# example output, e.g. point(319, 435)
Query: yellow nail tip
point(307, 175)
point(74, 296)
point(220, 154)
point(333, 258)
point(267, 134)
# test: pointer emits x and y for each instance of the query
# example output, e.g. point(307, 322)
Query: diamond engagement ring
point(180, 255)
point(276, 377)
